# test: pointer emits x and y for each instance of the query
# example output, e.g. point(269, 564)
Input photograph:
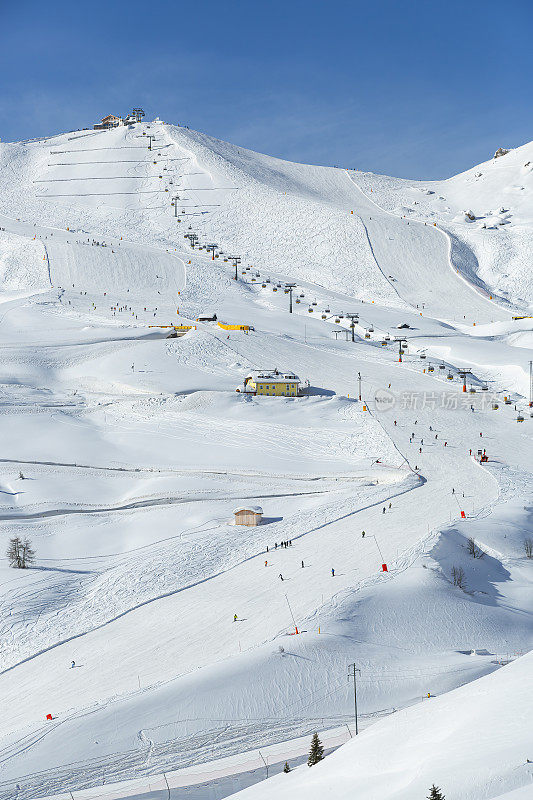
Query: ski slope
point(470, 743)
point(125, 452)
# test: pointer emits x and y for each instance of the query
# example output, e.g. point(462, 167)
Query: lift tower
point(463, 373)
point(353, 319)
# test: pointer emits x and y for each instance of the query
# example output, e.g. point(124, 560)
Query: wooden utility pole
point(352, 674)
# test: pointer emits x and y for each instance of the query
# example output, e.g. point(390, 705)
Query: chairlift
point(367, 336)
point(253, 280)
point(263, 285)
point(225, 261)
point(324, 316)
point(450, 376)
point(387, 338)
point(495, 406)
point(310, 310)
point(472, 390)
point(508, 402)
point(337, 320)
point(442, 366)
point(286, 291)
point(520, 418)
point(484, 388)
point(371, 329)
point(423, 356)
point(431, 368)
point(384, 343)
point(268, 280)
point(327, 311)
point(257, 274)
point(314, 303)
point(297, 300)
point(274, 289)
point(302, 295)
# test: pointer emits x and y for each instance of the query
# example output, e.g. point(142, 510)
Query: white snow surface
point(124, 454)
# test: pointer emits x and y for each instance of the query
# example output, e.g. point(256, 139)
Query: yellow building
point(272, 382)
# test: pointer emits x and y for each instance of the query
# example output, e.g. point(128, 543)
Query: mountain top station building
point(271, 382)
point(111, 121)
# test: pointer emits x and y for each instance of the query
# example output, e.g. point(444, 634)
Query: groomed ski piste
point(124, 454)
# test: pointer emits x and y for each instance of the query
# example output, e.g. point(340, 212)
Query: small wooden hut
point(248, 515)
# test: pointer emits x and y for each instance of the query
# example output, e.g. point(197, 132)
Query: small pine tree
point(316, 752)
point(435, 794)
point(286, 768)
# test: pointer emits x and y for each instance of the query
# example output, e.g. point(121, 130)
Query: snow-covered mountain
point(124, 453)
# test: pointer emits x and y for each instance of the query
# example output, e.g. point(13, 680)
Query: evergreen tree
point(20, 553)
point(435, 794)
point(316, 752)
point(28, 554)
point(13, 552)
point(286, 768)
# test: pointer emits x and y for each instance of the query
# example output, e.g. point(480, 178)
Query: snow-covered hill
point(124, 453)
point(474, 742)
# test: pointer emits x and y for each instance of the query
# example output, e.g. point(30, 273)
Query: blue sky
point(410, 88)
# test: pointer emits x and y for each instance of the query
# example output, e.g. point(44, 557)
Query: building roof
point(272, 376)
point(253, 509)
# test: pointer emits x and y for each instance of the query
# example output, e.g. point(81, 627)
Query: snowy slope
point(471, 743)
point(124, 455)
point(487, 210)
